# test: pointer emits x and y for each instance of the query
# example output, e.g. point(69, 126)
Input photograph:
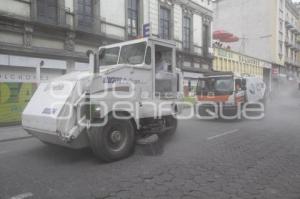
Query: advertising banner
point(13, 98)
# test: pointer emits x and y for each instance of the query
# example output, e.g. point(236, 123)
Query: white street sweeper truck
point(223, 95)
point(132, 90)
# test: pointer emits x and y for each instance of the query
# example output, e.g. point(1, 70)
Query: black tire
point(114, 141)
point(171, 122)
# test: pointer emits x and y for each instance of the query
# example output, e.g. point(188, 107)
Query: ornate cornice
point(195, 8)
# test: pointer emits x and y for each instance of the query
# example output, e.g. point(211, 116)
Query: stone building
point(267, 30)
point(55, 35)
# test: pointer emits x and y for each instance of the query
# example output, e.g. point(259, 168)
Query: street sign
point(146, 30)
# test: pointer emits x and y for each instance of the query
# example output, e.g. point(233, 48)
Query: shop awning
point(224, 36)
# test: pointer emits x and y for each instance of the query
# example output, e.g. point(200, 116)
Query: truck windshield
point(109, 56)
point(133, 54)
point(223, 84)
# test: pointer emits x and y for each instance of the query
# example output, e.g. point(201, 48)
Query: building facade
point(268, 30)
point(55, 35)
point(291, 42)
point(240, 64)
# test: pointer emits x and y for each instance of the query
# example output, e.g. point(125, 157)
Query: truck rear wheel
point(114, 141)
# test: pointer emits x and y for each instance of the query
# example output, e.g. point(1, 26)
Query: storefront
point(193, 67)
point(190, 83)
point(18, 82)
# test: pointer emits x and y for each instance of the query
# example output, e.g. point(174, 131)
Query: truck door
point(165, 77)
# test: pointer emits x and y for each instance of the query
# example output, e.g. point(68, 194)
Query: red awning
point(230, 39)
point(224, 36)
point(221, 34)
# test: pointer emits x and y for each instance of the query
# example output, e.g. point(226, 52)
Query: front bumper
point(218, 110)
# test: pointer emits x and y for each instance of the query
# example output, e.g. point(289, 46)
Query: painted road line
point(22, 196)
point(223, 134)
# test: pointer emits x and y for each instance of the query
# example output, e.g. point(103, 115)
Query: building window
point(187, 25)
point(85, 13)
point(47, 11)
point(165, 23)
point(133, 18)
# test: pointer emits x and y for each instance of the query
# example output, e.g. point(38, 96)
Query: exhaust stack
point(93, 62)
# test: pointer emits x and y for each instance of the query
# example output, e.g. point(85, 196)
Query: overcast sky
point(296, 0)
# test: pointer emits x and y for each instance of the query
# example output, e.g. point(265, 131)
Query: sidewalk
point(12, 133)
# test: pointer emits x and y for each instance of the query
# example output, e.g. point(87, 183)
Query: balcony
point(288, 24)
point(295, 30)
point(291, 61)
point(293, 47)
point(297, 47)
point(288, 42)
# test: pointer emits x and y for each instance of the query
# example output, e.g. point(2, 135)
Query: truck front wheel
point(114, 141)
point(171, 123)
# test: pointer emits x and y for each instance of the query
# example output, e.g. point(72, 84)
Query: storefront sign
point(242, 59)
point(22, 75)
point(31, 62)
point(13, 77)
point(249, 60)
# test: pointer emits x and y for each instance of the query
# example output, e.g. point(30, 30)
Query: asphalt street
point(204, 159)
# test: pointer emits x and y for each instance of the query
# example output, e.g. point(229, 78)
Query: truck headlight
point(96, 111)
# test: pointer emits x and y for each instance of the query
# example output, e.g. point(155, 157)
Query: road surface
point(204, 159)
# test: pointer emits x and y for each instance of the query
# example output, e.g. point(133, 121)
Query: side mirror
point(101, 53)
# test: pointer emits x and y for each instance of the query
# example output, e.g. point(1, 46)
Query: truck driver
point(160, 63)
